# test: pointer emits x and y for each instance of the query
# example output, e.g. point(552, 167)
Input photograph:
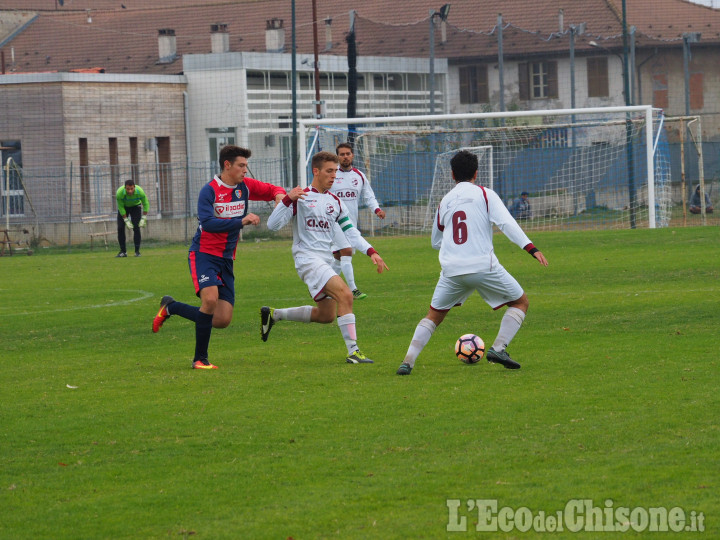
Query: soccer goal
point(443, 181)
point(598, 168)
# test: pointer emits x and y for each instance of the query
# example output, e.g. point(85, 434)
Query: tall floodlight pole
point(431, 81)
point(688, 38)
point(443, 14)
point(293, 70)
point(318, 103)
point(631, 75)
point(352, 77)
point(501, 68)
point(628, 122)
point(574, 31)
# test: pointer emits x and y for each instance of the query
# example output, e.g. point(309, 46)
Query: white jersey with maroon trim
point(351, 187)
point(315, 218)
point(463, 229)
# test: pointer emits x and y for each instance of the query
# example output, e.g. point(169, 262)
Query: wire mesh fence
point(42, 207)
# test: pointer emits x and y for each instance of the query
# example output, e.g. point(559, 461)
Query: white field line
point(142, 295)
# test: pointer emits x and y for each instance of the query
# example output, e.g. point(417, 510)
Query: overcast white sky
point(710, 3)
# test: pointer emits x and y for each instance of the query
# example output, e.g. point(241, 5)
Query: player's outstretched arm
point(540, 258)
point(378, 262)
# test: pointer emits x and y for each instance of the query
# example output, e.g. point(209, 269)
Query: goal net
point(443, 180)
point(595, 168)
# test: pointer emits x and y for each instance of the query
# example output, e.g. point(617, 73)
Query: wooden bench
point(104, 219)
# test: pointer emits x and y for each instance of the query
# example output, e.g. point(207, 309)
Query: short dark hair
point(231, 153)
point(321, 157)
point(464, 165)
point(129, 183)
point(524, 193)
point(344, 145)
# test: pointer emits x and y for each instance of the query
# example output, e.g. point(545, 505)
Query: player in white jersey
point(317, 216)
point(351, 187)
point(463, 232)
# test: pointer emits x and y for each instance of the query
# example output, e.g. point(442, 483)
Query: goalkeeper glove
point(143, 221)
point(128, 223)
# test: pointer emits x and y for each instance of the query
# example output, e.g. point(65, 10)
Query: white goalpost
point(586, 168)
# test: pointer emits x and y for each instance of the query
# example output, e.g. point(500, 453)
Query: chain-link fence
point(71, 206)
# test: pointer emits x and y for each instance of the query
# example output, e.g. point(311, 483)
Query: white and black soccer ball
point(470, 348)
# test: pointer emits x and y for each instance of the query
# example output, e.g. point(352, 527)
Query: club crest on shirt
point(354, 182)
point(329, 209)
point(238, 193)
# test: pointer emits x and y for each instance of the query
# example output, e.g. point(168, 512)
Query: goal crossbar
point(646, 110)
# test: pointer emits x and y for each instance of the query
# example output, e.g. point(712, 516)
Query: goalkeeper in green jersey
point(133, 206)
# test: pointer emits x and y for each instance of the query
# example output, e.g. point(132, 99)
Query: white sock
point(297, 314)
point(348, 272)
point(509, 326)
point(347, 329)
point(423, 332)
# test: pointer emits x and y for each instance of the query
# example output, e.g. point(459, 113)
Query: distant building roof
point(125, 39)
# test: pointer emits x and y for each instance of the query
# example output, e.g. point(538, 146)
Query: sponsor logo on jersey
point(230, 209)
point(317, 224)
point(346, 195)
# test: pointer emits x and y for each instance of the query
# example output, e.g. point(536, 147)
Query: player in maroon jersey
point(352, 188)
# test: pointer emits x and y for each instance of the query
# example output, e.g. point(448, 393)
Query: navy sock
point(203, 328)
point(184, 310)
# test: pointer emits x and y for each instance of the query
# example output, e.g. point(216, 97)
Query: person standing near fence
point(133, 206)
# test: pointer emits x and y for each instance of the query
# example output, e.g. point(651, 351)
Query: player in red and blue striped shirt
point(222, 213)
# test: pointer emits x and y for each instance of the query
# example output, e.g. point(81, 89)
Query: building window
point(697, 101)
point(13, 198)
point(84, 175)
point(660, 90)
point(114, 163)
point(134, 163)
point(217, 138)
point(474, 84)
point(538, 80)
point(597, 77)
point(164, 161)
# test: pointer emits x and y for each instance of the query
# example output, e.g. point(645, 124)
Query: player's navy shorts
point(211, 270)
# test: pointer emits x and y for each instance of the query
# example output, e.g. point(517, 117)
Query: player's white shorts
point(315, 272)
point(496, 286)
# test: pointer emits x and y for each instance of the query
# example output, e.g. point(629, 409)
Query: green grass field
point(107, 433)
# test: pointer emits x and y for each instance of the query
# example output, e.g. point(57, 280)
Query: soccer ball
point(470, 348)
